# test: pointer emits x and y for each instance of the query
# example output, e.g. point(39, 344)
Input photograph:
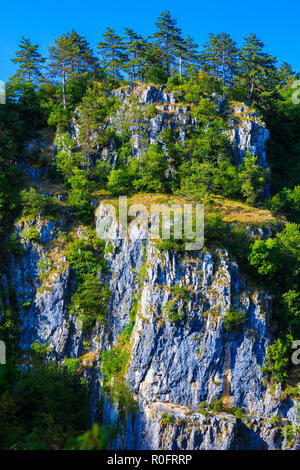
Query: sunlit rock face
point(175, 366)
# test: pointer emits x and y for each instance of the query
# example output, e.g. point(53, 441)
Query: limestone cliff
point(176, 368)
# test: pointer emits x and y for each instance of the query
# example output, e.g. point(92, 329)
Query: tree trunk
point(64, 90)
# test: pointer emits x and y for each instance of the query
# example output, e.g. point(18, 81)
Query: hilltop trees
point(29, 62)
point(113, 52)
point(70, 57)
point(169, 39)
point(219, 57)
point(257, 71)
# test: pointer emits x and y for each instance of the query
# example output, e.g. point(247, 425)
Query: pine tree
point(169, 40)
point(257, 71)
point(209, 58)
point(112, 50)
point(62, 56)
point(138, 53)
point(190, 57)
point(285, 74)
point(226, 48)
point(219, 58)
point(29, 60)
point(83, 59)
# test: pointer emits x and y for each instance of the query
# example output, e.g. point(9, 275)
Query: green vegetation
point(44, 404)
point(35, 204)
point(166, 419)
point(89, 302)
point(31, 234)
point(235, 319)
point(218, 406)
point(175, 309)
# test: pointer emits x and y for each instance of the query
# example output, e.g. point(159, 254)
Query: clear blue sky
point(275, 23)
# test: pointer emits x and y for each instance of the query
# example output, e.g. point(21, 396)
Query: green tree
point(67, 159)
point(257, 72)
point(149, 170)
point(29, 61)
point(92, 118)
point(62, 56)
point(169, 39)
point(219, 57)
point(80, 197)
point(253, 179)
point(113, 52)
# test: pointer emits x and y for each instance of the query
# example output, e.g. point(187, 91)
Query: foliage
point(80, 196)
point(96, 438)
point(166, 419)
point(278, 359)
point(113, 362)
point(41, 405)
point(234, 319)
point(35, 204)
point(31, 234)
point(286, 202)
point(89, 303)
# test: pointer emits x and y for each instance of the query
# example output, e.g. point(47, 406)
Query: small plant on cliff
point(89, 302)
point(235, 319)
point(31, 234)
point(166, 419)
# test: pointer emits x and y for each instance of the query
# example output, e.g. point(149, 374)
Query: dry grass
point(231, 211)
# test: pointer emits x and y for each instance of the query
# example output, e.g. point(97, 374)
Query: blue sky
point(276, 24)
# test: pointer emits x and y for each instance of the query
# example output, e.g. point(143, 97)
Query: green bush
point(36, 204)
point(235, 319)
point(85, 255)
point(113, 362)
point(277, 360)
point(89, 303)
point(166, 419)
point(286, 202)
point(80, 195)
point(31, 234)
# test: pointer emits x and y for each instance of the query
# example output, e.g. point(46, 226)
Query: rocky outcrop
point(248, 134)
point(183, 359)
point(175, 363)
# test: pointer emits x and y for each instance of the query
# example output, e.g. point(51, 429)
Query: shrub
point(119, 182)
point(89, 303)
point(36, 204)
point(286, 202)
point(85, 255)
point(172, 312)
point(235, 320)
point(113, 362)
point(149, 170)
point(253, 179)
point(80, 195)
point(278, 359)
point(31, 234)
point(166, 419)
point(215, 229)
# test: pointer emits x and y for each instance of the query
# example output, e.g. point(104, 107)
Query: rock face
point(177, 361)
point(249, 134)
point(174, 365)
